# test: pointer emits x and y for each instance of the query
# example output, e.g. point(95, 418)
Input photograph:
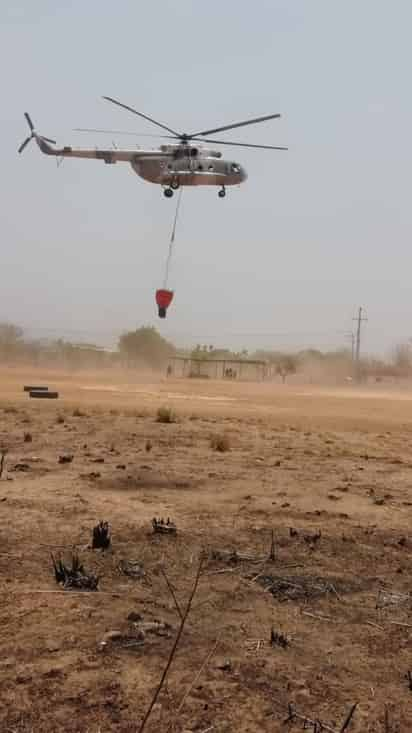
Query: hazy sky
point(289, 255)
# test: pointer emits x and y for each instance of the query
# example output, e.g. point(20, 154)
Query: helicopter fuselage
point(189, 167)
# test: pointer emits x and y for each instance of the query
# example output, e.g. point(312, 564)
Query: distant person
point(169, 370)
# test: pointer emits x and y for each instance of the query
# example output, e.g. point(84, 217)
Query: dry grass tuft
point(78, 413)
point(220, 442)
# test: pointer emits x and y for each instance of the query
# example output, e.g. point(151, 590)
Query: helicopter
point(172, 165)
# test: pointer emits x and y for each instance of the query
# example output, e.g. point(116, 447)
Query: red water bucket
point(163, 300)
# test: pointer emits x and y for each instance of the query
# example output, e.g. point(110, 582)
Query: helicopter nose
point(243, 174)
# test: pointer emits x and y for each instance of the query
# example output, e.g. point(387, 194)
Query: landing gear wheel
point(222, 193)
point(162, 312)
point(175, 184)
point(168, 192)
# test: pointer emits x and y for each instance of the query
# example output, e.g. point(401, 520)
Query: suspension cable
point(172, 238)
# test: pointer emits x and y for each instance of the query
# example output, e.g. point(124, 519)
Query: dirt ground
point(326, 473)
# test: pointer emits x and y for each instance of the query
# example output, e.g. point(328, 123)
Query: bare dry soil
point(321, 619)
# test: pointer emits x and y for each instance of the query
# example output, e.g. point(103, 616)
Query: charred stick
point(349, 718)
point(272, 554)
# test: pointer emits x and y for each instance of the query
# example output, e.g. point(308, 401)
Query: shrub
point(165, 415)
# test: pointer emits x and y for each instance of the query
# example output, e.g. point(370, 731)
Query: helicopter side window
point(200, 167)
point(235, 168)
point(210, 168)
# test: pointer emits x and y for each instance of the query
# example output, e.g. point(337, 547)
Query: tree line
point(145, 347)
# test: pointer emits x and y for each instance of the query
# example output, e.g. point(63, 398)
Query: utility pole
point(359, 320)
point(351, 337)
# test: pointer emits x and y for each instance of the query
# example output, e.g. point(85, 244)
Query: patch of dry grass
point(165, 415)
point(220, 442)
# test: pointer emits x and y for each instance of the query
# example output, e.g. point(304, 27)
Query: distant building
point(203, 368)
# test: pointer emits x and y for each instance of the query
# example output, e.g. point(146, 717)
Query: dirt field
point(329, 472)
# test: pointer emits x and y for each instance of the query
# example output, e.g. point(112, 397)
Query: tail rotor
point(33, 134)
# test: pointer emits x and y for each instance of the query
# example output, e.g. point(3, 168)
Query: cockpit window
point(235, 168)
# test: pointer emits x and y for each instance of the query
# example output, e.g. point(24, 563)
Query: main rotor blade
point(238, 145)
point(140, 114)
point(235, 124)
point(122, 132)
point(29, 122)
point(23, 145)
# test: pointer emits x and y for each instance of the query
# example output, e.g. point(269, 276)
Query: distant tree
point(271, 357)
point(402, 359)
point(311, 354)
point(145, 345)
point(10, 340)
point(286, 365)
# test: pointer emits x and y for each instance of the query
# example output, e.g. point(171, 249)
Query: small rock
point(160, 628)
point(136, 639)
point(23, 467)
point(378, 501)
point(135, 617)
point(52, 645)
point(53, 672)
point(67, 458)
point(225, 666)
point(111, 636)
point(23, 677)
point(27, 437)
point(132, 568)
point(121, 466)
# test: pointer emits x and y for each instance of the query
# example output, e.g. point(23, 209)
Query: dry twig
point(272, 553)
point(172, 593)
point(196, 677)
point(173, 650)
point(317, 616)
